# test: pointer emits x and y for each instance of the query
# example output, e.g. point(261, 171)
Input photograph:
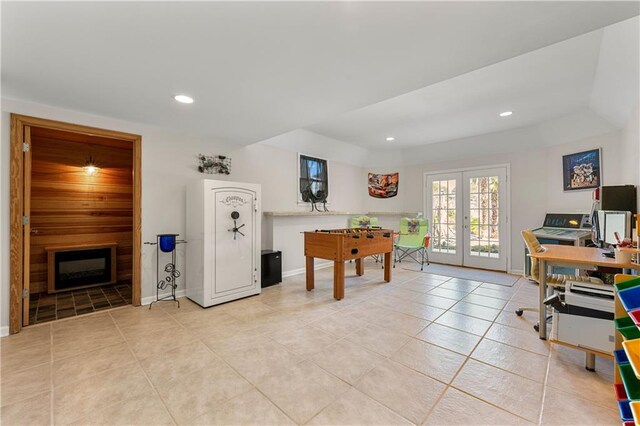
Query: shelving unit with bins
point(627, 350)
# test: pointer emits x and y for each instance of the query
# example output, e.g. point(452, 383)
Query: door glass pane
point(443, 234)
point(483, 217)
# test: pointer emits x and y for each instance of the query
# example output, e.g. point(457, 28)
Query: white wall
point(168, 165)
point(536, 175)
point(629, 160)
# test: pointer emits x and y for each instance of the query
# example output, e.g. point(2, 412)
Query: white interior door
point(444, 202)
point(485, 219)
point(467, 211)
point(235, 239)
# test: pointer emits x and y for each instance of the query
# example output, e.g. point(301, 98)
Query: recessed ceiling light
point(183, 99)
point(391, 138)
point(506, 113)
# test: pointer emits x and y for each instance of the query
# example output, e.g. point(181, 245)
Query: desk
point(554, 255)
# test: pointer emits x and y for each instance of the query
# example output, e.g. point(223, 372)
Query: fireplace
point(81, 266)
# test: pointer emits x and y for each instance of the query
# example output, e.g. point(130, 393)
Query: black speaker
point(271, 267)
point(619, 198)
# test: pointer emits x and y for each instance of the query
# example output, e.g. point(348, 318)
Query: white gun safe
point(223, 230)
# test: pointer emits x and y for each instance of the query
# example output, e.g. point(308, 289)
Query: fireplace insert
point(81, 267)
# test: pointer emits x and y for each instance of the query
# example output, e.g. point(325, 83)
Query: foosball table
point(340, 245)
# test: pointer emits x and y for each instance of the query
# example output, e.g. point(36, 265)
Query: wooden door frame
point(17, 200)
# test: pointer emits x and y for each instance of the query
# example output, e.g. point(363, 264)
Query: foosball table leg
point(338, 280)
point(387, 266)
point(310, 274)
point(360, 266)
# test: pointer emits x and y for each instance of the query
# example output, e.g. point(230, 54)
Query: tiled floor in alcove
point(423, 349)
point(45, 307)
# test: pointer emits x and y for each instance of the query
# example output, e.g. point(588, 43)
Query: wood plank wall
point(68, 206)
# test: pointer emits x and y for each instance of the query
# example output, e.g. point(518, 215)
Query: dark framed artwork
point(313, 179)
point(582, 170)
point(383, 186)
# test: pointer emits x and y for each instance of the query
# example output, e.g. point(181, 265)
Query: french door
point(467, 211)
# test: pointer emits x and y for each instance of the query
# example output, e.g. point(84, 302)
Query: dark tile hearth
point(45, 307)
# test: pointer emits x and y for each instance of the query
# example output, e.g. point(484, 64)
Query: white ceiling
point(259, 69)
point(599, 67)
point(616, 88)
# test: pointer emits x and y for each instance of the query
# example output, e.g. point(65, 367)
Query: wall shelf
point(337, 213)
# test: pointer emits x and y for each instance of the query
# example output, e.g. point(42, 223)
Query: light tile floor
point(423, 349)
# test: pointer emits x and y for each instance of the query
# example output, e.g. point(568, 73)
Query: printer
point(585, 318)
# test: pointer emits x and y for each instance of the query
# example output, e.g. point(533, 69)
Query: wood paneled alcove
point(69, 206)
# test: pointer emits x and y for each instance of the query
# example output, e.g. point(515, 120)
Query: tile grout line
point(468, 357)
point(447, 385)
point(544, 389)
point(142, 369)
point(254, 385)
point(338, 339)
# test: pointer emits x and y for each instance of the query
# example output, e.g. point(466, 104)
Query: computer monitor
point(609, 222)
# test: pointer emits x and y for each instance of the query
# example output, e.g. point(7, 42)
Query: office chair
point(557, 281)
point(413, 241)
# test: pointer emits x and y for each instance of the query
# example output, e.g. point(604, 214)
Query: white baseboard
point(298, 271)
point(4, 331)
point(516, 272)
point(147, 300)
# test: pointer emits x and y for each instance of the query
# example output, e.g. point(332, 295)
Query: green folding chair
point(364, 222)
point(413, 241)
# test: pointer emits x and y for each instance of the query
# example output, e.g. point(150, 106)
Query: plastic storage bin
point(625, 411)
point(630, 298)
point(632, 349)
point(628, 284)
point(621, 356)
point(631, 382)
point(635, 409)
point(635, 317)
point(621, 394)
point(627, 328)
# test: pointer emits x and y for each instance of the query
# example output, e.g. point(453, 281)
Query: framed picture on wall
point(582, 170)
point(383, 186)
point(313, 179)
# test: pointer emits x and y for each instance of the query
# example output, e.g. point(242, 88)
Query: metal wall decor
point(214, 164)
point(166, 243)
